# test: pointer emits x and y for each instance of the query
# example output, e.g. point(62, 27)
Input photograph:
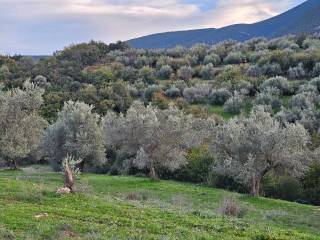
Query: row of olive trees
point(153, 139)
point(149, 139)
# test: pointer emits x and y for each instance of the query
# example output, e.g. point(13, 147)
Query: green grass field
point(118, 207)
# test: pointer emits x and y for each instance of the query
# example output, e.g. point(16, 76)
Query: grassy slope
point(166, 210)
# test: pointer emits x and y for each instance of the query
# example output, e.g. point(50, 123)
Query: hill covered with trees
point(242, 116)
point(304, 18)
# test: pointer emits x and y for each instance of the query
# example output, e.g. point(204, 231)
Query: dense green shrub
point(282, 187)
point(197, 169)
point(311, 184)
point(147, 75)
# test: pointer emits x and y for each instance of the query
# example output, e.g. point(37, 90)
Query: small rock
point(42, 215)
point(63, 190)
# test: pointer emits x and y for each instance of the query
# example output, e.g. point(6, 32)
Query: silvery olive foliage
point(154, 139)
point(219, 96)
point(77, 132)
point(173, 92)
point(198, 93)
point(21, 127)
point(249, 148)
point(234, 58)
point(254, 71)
point(297, 72)
point(270, 97)
point(316, 70)
point(214, 59)
point(280, 83)
point(185, 73)
point(165, 72)
point(234, 104)
point(207, 72)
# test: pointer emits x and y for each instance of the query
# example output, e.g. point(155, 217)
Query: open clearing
point(119, 207)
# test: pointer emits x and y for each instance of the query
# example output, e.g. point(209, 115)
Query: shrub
point(137, 196)
point(316, 70)
point(280, 83)
point(219, 96)
point(244, 88)
point(231, 74)
point(185, 73)
point(316, 83)
point(266, 98)
point(128, 74)
point(282, 187)
point(149, 91)
point(165, 72)
point(311, 184)
point(214, 59)
point(302, 101)
point(234, 104)
point(40, 81)
point(147, 75)
point(234, 58)
point(197, 169)
point(197, 94)
point(160, 100)
point(6, 234)
point(254, 71)
point(272, 70)
point(173, 92)
point(207, 72)
point(230, 207)
point(296, 72)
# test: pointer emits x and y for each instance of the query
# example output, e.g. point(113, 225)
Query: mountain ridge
point(304, 18)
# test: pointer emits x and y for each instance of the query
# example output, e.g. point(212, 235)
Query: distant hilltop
point(304, 18)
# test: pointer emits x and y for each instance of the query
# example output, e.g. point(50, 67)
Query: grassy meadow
point(120, 207)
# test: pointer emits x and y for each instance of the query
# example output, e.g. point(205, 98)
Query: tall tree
point(21, 127)
point(77, 132)
point(155, 139)
point(249, 148)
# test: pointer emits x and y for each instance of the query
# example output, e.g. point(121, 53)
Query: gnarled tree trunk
point(153, 175)
point(68, 177)
point(255, 186)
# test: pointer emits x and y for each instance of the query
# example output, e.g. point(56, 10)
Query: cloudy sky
point(43, 26)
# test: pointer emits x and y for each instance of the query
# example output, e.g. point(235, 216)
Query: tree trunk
point(255, 187)
point(68, 177)
point(14, 164)
point(153, 174)
point(81, 166)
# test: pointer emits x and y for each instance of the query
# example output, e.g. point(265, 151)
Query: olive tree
point(249, 148)
point(21, 127)
point(77, 133)
point(185, 73)
point(154, 139)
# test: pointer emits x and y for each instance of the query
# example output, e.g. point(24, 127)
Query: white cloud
point(230, 12)
point(42, 26)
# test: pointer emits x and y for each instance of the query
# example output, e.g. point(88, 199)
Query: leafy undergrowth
point(111, 207)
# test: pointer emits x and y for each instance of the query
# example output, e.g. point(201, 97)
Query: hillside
point(108, 207)
point(304, 18)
